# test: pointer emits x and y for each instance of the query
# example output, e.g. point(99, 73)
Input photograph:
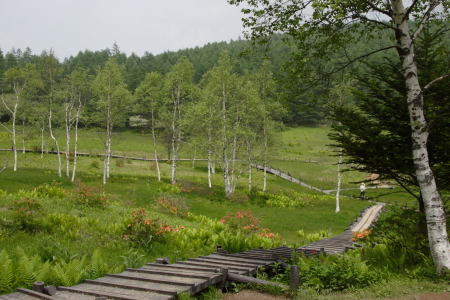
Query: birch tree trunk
point(158, 171)
point(50, 128)
point(175, 134)
point(42, 127)
point(434, 208)
point(67, 148)
point(75, 146)
point(209, 169)
point(23, 134)
point(13, 112)
point(339, 174)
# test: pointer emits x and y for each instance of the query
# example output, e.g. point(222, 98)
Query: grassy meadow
point(65, 227)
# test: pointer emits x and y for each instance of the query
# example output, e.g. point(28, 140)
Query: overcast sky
point(68, 26)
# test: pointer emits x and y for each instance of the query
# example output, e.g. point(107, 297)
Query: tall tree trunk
point(14, 136)
point(23, 134)
point(154, 146)
point(434, 209)
point(339, 174)
point(13, 130)
point(193, 158)
point(265, 156)
point(209, 169)
point(249, 151)
point(55, 141)
point(42, 138)
point(67, 144)
point(75, 148)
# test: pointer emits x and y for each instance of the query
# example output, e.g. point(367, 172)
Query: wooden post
point(221, 285)
point(50, 290)
point(294, 279)
point(38, 286)
point(162, 261)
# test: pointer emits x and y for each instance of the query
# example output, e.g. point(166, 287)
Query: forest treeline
point(229, 118)
point(307, 107)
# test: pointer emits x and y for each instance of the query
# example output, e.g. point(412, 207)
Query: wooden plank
point(251, 256)
point(160, 288)
point(181, 267)
point(174, 272)
point(239, 270)
point(196, 285)
point(225, 262)
point(34, 295)
point(16, 296)
point(114, 293)
point(168, 279)
point(66, 295)
point(236, 258)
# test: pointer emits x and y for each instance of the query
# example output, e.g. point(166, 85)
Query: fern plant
point(6, 272)
point(97, 267)
point(71, 273)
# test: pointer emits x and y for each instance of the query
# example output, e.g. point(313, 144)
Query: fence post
point(294, 279)
point(38, 286)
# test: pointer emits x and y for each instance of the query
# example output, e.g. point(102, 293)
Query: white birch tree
point(113, 103)
point(321, 28)
point(177, 94)
point(79, 95)
point(51, 72)
point(148, 96)
point(341, 94)
point(23, 82)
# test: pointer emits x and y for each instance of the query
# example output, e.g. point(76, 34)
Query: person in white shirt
point(362, 189)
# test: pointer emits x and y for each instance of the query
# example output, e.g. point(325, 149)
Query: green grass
point(134, 185)
point(136, 181)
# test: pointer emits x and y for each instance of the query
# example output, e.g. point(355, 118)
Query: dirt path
point(255, 295)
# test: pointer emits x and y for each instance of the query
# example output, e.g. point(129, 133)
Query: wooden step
point(114, 293)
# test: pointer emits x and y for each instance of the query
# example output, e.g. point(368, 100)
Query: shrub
point(171, 206)
point(288, 198)
point(120, 162)
point(171, 188)
point(403, 230)
point(361, 236)
point(25, 212)
point(142, 231)
point(51, 190)
point(89, 196)
point(245, 220)
point(95, 164)
point(239, 197)
point(331, 273)
point(36, 148)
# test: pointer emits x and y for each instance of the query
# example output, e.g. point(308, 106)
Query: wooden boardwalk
point(161, 280)
point(343, 242)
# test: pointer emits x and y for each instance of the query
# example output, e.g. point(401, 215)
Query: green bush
point(25, 214)
point(333, 273)
point(403, 230)
point(242, 220)
point(51, 190)
point(143, 231)
point(89, 196)
point(288, 198)
point(171, 206)
point(95, 164)
point(171, 188)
